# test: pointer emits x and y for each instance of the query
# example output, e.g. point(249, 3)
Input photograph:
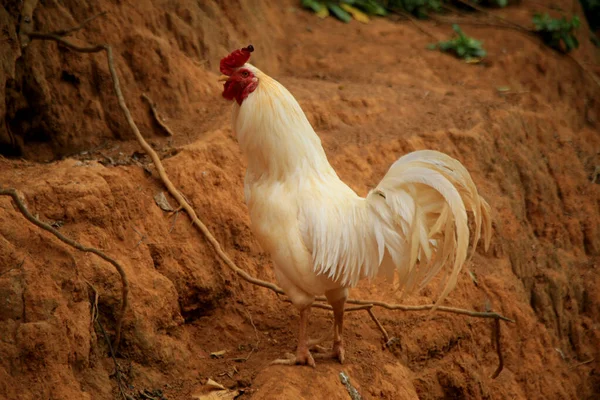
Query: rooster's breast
point(274, 210)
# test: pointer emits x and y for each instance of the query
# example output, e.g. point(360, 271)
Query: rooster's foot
point(301, 358)
point(319, 349)
point(337, 353)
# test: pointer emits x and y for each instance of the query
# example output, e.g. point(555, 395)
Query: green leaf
point(553, 31)
point(323, 12)
point(371, 7)
point(463, 46)
point(339, 12)
point(313, 5)
point(356, 13)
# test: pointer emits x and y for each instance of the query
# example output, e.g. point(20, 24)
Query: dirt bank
point(373, 92)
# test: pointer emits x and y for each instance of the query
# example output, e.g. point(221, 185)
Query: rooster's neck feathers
point(275, 134)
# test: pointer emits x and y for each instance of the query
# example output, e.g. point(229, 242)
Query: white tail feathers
point(422, 204)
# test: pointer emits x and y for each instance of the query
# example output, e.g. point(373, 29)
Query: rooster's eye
point(245, 74)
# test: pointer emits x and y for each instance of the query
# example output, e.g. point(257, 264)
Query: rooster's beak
point(223, 78)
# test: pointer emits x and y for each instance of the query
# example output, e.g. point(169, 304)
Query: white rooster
point(322, 237)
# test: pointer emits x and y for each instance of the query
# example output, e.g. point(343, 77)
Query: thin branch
point(95, 313)
point(496, 335)
point(124, 281)
point(492, 15)
point(386, 337)
point(583, 363)
point(585, 69)
point(67, 32)
point(156, 115)
point(470, 21)
point(142, 237)
point(453, 310)
point(112, 355)
point(174, 221)
point(253, 348)
point(418, 25)
point(349, 309)
point(66, 43)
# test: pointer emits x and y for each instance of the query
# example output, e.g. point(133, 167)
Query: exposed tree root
point(124, 281)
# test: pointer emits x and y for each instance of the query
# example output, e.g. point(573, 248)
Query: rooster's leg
point(338, 326)
point(302, 353)
point(303, 356)
point(337, 299)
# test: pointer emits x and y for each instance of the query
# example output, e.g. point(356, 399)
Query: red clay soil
point(373, 92)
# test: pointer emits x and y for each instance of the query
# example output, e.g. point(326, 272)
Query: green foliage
point(462, 46)
point(419, 8)
point(554, 31)
point(494, 3)
point(345, 10)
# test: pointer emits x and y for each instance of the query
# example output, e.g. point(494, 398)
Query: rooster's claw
point(300, 359)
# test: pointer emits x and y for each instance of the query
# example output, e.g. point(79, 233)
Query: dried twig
point(156, 115)
point(386, 337)
point(348, 309)
point(66, 43)
point(418, 25)
point(176, 212)
point(496, 336)
point(452, 310)
point(493, 15)
point(67, 32)
point(124, 281)
point(95, 313)
point(583, 363)
point(469, 21)
point(253, 348)
point(142, 237)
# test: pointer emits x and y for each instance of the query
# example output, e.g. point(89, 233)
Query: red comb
point(235, 60)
